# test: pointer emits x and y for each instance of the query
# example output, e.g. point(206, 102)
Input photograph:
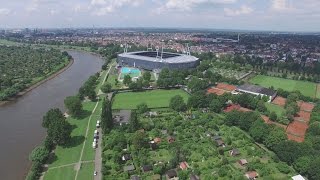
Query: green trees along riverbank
point(21, 67)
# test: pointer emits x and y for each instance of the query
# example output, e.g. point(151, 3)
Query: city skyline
point(269, 15)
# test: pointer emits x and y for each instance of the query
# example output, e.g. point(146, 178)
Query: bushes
point(106, 88)
point(38, 156)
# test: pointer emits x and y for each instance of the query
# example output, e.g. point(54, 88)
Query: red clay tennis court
point(226, 87)
point(297, 128)
point(232, 107)
point(279, 101)
point(216, 91)
point(303, 116)
point(304, 106)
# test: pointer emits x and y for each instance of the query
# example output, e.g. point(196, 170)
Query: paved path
point(98, 160)
point(98, 155)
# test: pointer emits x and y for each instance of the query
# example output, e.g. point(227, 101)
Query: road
point(98, 155)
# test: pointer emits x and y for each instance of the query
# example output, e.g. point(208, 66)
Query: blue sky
point(275, 15)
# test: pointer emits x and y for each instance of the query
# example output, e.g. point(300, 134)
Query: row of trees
point(88, 88)
point(106, 116)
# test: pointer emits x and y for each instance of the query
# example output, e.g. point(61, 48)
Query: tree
point(60, 132)
point(314, 169)
point(73, 105)
point(51, 116)
point(92, 94)
point(288, 151)
point(259, 131)
point(142, 108)
point(302, 163)
point(275, 136)
point(147, 76)
point(198, 100)
point(273, 116)
point(106, 116)
point(106, 88)
point(216, 106)
point(127, 79)
point(139, 140)
point(177, 103)
point(39, 154)
point(134, 123)
point(261, 106)
point(196, 84)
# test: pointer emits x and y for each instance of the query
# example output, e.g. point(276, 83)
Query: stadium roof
point(256, 89)
point(167, 57)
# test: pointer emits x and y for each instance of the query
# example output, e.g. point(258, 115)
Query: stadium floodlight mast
point(157, 49)
point(188, 49)
point(125, 50)
point(149, 48)
point(161, 54)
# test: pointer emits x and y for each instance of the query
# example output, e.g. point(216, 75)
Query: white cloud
point(4, 11)
point(188, 5)
point(53, 12)
point(103, 7)
point(98, 2)
point(236, 12)
point(280, 5)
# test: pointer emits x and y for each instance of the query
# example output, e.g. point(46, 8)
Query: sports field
point(154, 98)
point(306, 88)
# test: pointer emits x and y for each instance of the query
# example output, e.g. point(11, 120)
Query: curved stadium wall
point(147, 60)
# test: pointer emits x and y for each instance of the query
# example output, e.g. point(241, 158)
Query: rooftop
point(256, 89)
point(167, 57)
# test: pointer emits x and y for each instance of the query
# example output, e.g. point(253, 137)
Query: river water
point(20, 121)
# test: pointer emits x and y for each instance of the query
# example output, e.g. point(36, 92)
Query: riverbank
point(35, 85)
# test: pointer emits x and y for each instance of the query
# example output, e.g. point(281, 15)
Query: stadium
point(151, 60)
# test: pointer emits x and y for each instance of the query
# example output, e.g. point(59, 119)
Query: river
point(20, 121)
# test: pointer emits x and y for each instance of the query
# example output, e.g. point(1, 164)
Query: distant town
point(271, 47)
point(168, 104)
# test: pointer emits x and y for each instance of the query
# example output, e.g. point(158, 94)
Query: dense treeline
point(196, 79)
point(20, 67)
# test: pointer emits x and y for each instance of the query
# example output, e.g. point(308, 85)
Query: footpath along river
point(20, 121)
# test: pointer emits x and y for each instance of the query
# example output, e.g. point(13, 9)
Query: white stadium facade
point(151, 60)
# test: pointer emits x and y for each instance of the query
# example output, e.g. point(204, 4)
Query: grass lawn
point(275, 108)
point(60, 173)
point(86, 171)
point(71, 152)
point(154, 98)
point(305, 87)
point(88, 151)
point(318, 91)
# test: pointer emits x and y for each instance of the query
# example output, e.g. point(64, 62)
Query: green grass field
point(154, 99)
point(86, 172)
point(71, 152)
point(275, 108)
point(61, 173)
point(306, 88)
